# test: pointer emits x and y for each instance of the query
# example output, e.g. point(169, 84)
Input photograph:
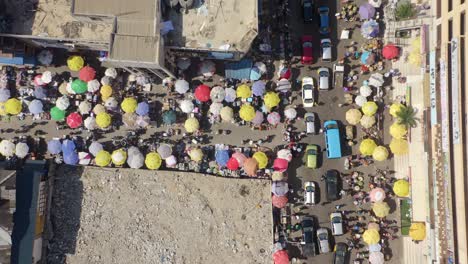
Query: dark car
point(324, 20)
point(308, 10)
point(308, 234)
point(341, 253)
point(332, 178)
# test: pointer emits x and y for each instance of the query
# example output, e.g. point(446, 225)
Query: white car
point(326, 46)
point(322, 239)
point(310, 193)
point(308, 94)
point(336, 223)
point(324, 78)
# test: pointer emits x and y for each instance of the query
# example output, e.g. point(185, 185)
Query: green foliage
point(407, 117)
point(405, 10)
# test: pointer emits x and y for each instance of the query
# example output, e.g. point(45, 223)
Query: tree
point(407, 117)
point(404, 10)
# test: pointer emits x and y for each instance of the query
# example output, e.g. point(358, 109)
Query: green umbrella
point(57, 114)
point(79, 87)
point(169, 117)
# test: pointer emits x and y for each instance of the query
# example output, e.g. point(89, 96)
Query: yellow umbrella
point(367, 121)
point(3, 111)
point(99, 108)
point(416, 44)
point(227, 114)
point(13, 106)
point(129, 105)
point(261, 158)
point(106, 92)
point(196, 154)
point(153, 161)
point(367, 147)
point(381, 209)
point(119, 157)
point(369, 108)
point(103, 119)
point(401, 188)
point(371, 236)
point(417, 231)
point(395, 108)
point(75, 63)
point(247, 112)
point(398, 131)
point(353, 116)
point(399, 146)
point(271, 99)
point(103, 158)
point(380, 153)
point(243, 91)
point(415, 58)
point(192, 125)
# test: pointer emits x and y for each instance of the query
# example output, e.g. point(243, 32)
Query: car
point(324, 78)
point(308, 92)
point(307, 50)
point(332, 139)
point(331, 182)
point(311, 153)
point(336, 223)
point(308, 10)
point(341, 253)
point(310, 122)
point(310, 193)
point(326, 48)
point(324, 20)
point(308, 233)
point(322, 240)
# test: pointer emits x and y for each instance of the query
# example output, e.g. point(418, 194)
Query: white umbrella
point(290, 113)
point(217, 94)
point(181, 86)
point(367, 121)
point(261, 66)
point(85, 107)
point(95, 147)
point(4, 95)
point(365, 91)
point(62, 103)
point(84, 157)
point(21, 150)
point(45, 57)
point(171, 161)
point(142, 121)
point(215, 108)
point(135, 158)
point(106, 80)
point(376, 258)
point(69, 88)
point(46, 77)
point(164, 150)
point(207, 68)
point(227, 114)
point(93, 86)
point(230, 95)
point(284, 154)
point(7, 148)
point(376, 79)
point(186, 106)
point(111, 103)
point(360, 100)
point(183, 63)
point(375, 248)
point(279, 188)
point(111, 72)
point(90, 123)
point(375, 3)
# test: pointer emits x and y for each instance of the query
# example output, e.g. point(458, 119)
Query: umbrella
point(227, 114)
point(415, 58)
point(373, 225)
point(258, 88)
point(371, 236)
point(2, 109)
point(207, 68)
point(38, 80)
point(93, 86)
point(63, 88)
point(183, 63)
point(398, 131)
point(103, 120)
point(135, 158)
point(284, 154)
point(79, 86)
point(230, 95)
point(250, 167)
point(119, 157)
point(85, 107)
point(13, 106)
point(375, 248)
point(279, 201)
point(247, 112)
point(129, 105)
point(106, 92)
point(4, 95)
point(399, 146)
point(261, 66)
point(271, 99)
point(71, 158)
point(68, 146)
point(377, 195)
point(111, 72)
point(401, 188)
point(274, 118)
point(369, 108)
point(165, 151)
point(290, 113)
point(375, 3)
point(366, 11)
point(191, 125)
point(62, 103)
point(129, 119)
point(365, 91)
point(367, 147)
point(367, 121)
point(222, 157)
point(217, 94)
point(278, 176)
point(186, 106)
point(90, 123)
point(367, 58)
point(215, 108)
point(280, 164)
point(376, 79)
point(240, 157)
point(284, 72)
point(40, 92)
point(353, 116)
point(21, 150)
point(153, 161)
point(281, 257)
point(279, 188)
point(46, 77)
point(376, 258)
point(111, 103)
point(255, 73)
point(380, 209)
point(95, 147)
point(232, 164)
point(258, 119)
point(142, 108)
point(103, 158)
point(35, 107)
point(69, 89)
point(370, 29)
point(395, 108)
point(181, 86)
point(54, 146)
point(171, 161)
point(196, 154)
point(283, 85)
point(261, 158)
point(417, 231)
point(243, 91)
point(84, 158)
point(45, 57)
point(99, 108)
point(360, 100)
point(87, 73)
point(75, 63)
point(7, 148)
point(380, 153)
point(202, 93)
point(169, 117)
point(74, 120)
point(390, 51)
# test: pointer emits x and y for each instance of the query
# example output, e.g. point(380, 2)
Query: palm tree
point(407, 117)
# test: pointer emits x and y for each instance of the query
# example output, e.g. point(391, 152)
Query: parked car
point(331, 182)
point(308, 10)
point(311, 124)
point(324, 20)
point(310, 193)
point(322, 240)
point(336, 223)
point(307, 50)
point(308, 233)
point(324, 78)
point(308, 92)
point(311, 153)
point(326, 46)
point(341, 253)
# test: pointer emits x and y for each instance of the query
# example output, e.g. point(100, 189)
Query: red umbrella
point(281, 257)
point(202, 93)
point(232, 164)
point(279, 201)
point(74, 120)
point(390, 52)
point(285, 73)
point(87, 74)
point(280, 165)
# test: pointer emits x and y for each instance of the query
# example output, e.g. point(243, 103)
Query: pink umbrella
point(258, 119)
point(279, 201)
point(232, 164)
point(274, 118)
point(239, 157)
point(280, 165)
point(281, 257)
point(38, 80)
point(377, 195)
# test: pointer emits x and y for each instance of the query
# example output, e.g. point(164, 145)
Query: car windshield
point(307, 223)
point(326, 44)
point(336, 220)
point(307, 4)
point(309, 100)
point(332, 126)
point(310, 188)
point(323, 236)
point(311, 152)
point(308, 237)
point(310, 118)
point(308, 87)
point(307, 45)
point(323, 74)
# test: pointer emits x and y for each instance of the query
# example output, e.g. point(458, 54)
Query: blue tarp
point(239, 70)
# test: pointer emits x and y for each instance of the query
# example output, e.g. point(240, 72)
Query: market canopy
point(274, 118)
point(62, 103)
point(370, 29)
point(129, 105)
point(186, 106)
point(181, 86)
point(74, 120)
point(401, 188)
point(75, 63)
point(381, 209)
point(258, 88)
point(243, 91)
point(367, 121)
point(370, 108)
point(169, 117)
point(36, 107)
point(353, 116)
point(366, 11)
point(79, 87)
point(119, 157)
point(395, 108)
point(106, 92)
point(271, 99)
point(153, 161)
point(233, 164)
point(281, 257)
point(196, 154)
point(87, 73)
point(222, 157)
point(376, 257)
point(390, 51)
point(227, 114)
point(279, 201)
point(164, 150)
point(377, 195)
point(371, 236)
point(367, 147)
point(13, 106)
point(142, 108)
point(202, 93)
point(398, 131)
point(247, 112)
point(250, 167)
point(103, 158)
point(191, 125)
point(380, 153)
point(417, 231)
point(7, 148)
point(399, 147)
point(261, 158)
point(217, 94)
point(54, 146)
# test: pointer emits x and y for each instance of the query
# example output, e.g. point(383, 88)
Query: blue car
point(324, 20)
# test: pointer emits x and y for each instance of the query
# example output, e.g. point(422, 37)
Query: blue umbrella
point(68, 146)
point(255, 74)
point(258, 88)
point(40, 93)
point(36, 107)
point(365, 55)
point(169, 117)
point(370, 29)
point(4, 95)
point(54, 146)
point(70, 158)
point(222, 157)
point(142, 108)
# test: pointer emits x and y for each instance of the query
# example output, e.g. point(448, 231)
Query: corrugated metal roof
point(135, 48)
point(136, 27)
point(120, 8)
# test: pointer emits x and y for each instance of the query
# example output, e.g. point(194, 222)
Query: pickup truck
point(338, 75)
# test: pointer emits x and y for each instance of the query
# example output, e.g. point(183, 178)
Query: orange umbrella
point(251, 167)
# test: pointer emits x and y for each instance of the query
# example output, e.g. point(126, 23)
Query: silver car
point(311, 126)
point(326, 49)
point(322, 239)
point(324, 78)
point(310, 193)
point(336, 223)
